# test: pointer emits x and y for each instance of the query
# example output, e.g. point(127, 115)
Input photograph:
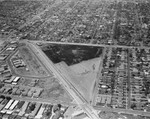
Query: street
point(94, 45)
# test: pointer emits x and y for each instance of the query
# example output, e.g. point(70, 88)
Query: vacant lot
point(34, 65)
point(53, 90)
point(82, 75)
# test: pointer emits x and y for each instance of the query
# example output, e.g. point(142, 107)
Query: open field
point(21, 70)
point(33, 65)
point(53, 90)
point(111, 115)
point(82, 75)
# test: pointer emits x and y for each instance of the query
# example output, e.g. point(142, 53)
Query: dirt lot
point(33, 64)
point(111, 115)
point(53, 90)
point(82, 75)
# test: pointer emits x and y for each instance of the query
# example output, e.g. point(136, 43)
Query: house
point(2, 58)
point(25, 91)
point(10, 80)
point(14, 90)
point(37, 93)
point(6, 74)
point(31, 91)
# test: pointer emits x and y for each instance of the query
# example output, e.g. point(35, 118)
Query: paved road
point(68, 86)
point(128, 79)
point(98, 77)
point(94, 45)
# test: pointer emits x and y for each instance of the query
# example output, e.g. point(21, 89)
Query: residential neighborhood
point(74, 59)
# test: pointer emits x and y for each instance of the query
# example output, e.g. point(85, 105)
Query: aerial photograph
point(74, 59)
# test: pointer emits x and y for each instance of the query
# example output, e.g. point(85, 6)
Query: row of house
point(21, 90)
point(112, 87)
point(33, 110)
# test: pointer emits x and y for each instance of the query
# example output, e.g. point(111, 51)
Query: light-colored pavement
point(94, 45)
point(128, 80)
point(99, 74)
